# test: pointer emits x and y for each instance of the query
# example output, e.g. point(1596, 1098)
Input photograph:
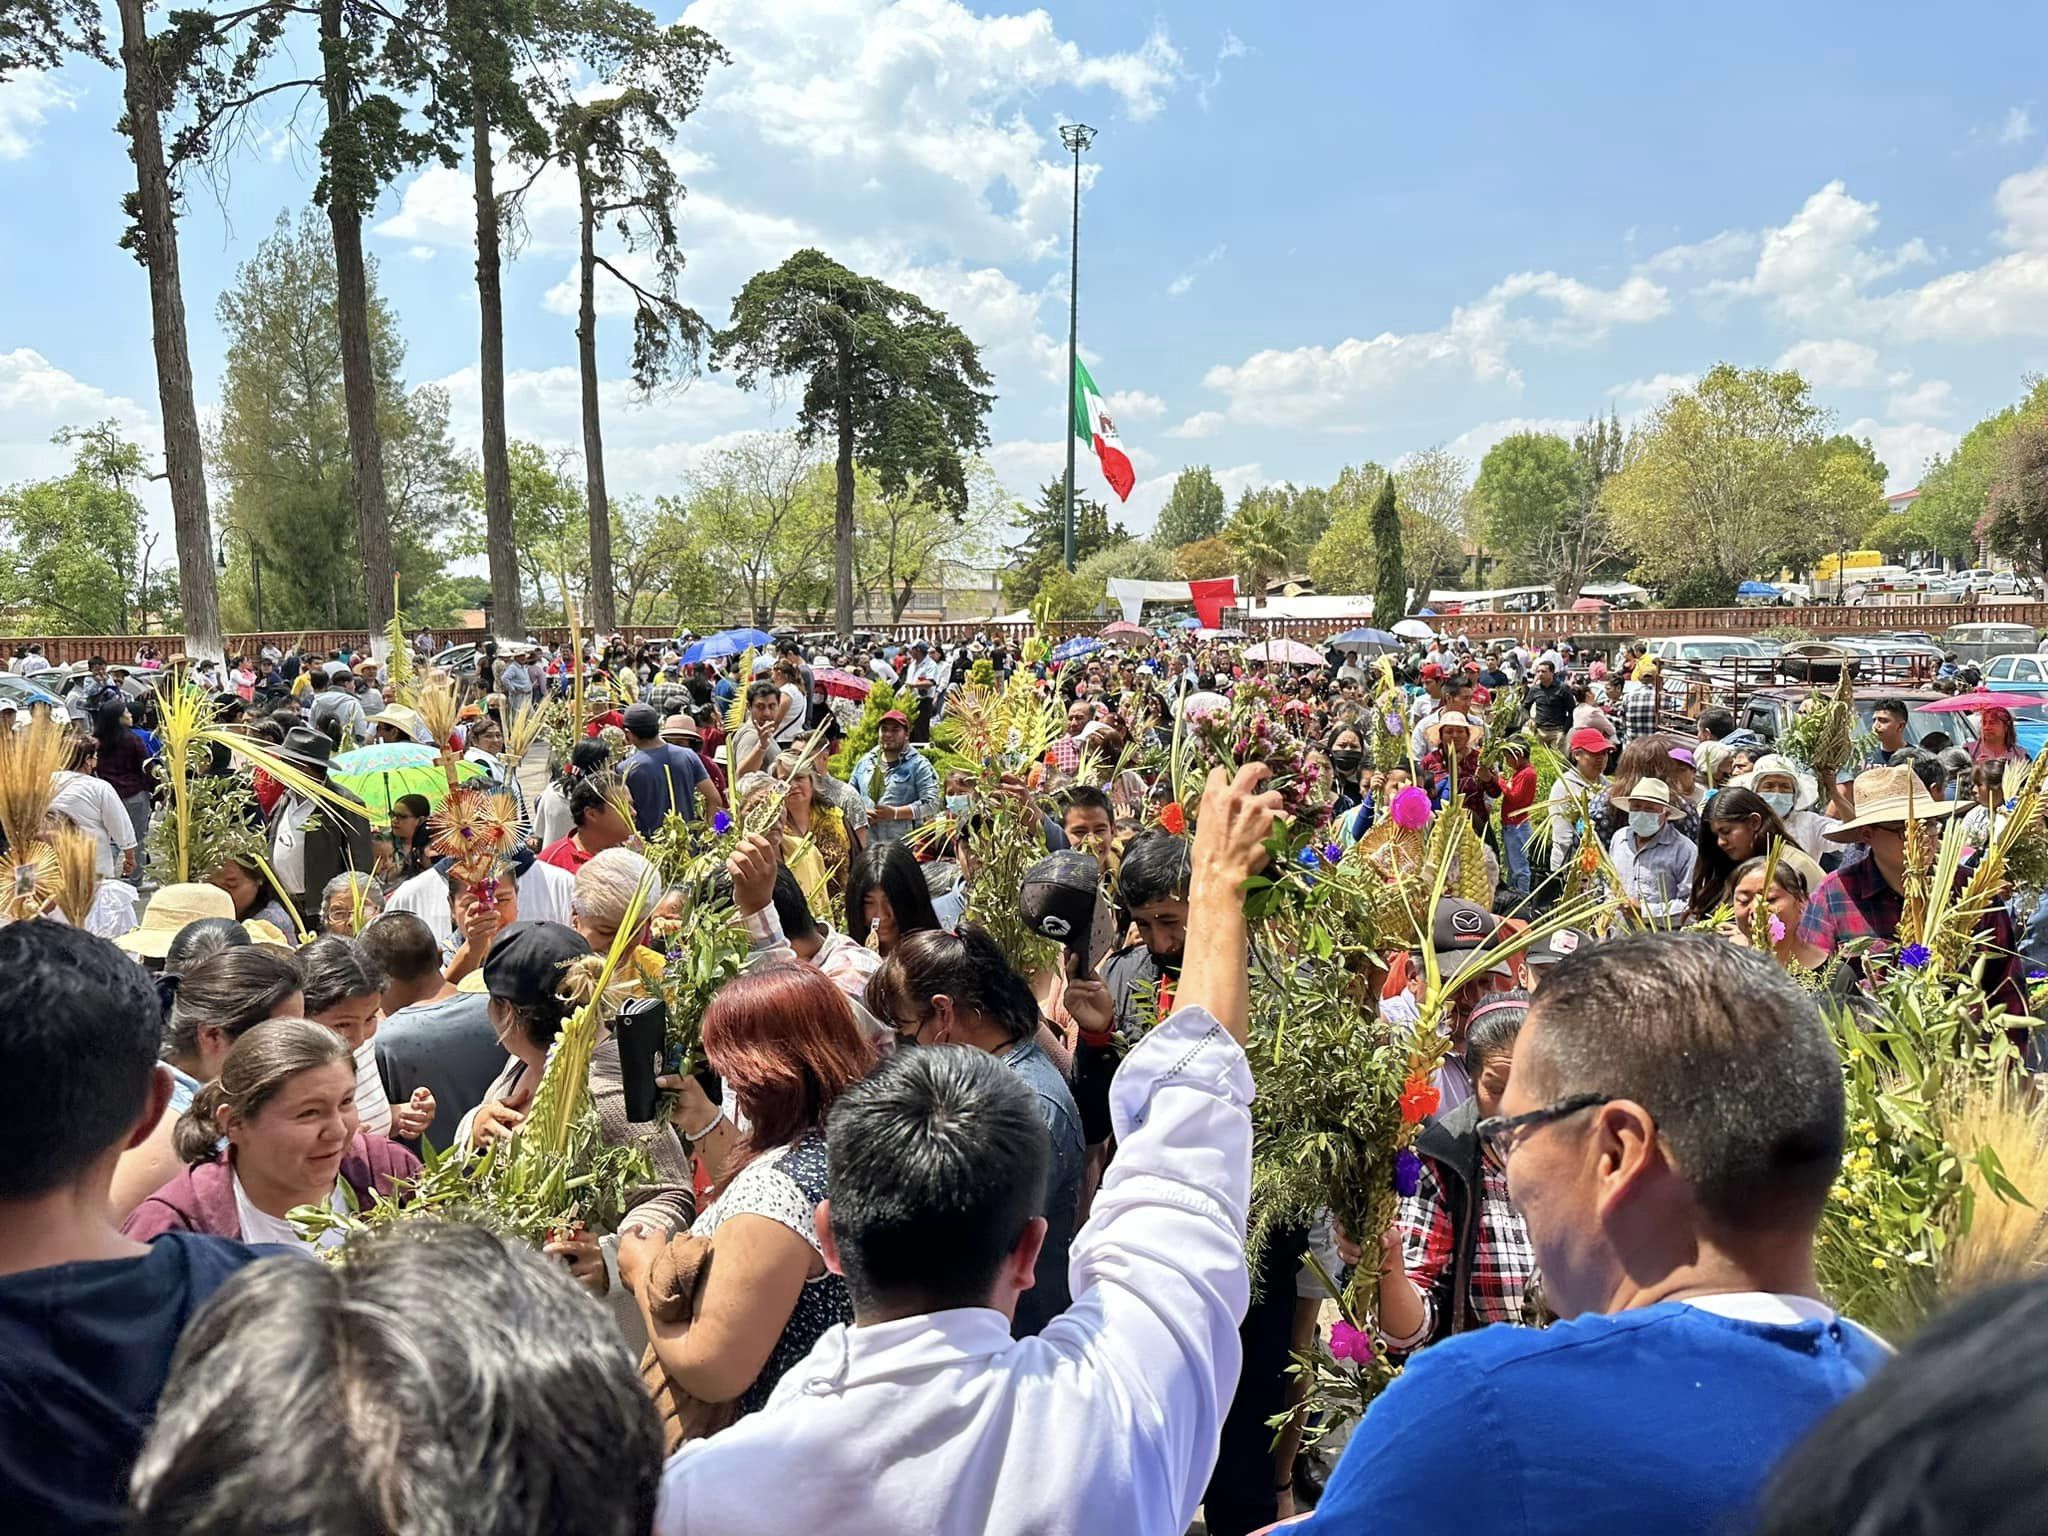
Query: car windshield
point(1717, 650)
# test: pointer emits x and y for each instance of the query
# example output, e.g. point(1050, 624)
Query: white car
point(1702, 650)
point(2001, 583)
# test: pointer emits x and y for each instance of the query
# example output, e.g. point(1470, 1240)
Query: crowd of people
point(980, 1234)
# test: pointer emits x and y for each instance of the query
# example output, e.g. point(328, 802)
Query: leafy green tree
point(890, 381)
point(1204, 560)
point(1719, 486)
point(1390, 583)
point(2016, 524)
point(282, 450)
point(1194, 509)
point(1955, 493)
point(617, 146)
point(902, 538)
point(548, 536)
point(73, 546)
point(1041, 546)
point(1541, 500)
point(761, 513)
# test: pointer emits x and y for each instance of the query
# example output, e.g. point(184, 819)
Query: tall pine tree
point(1041, 543)
point(1390, 587)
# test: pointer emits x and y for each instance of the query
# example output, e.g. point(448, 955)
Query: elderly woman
point(349, 903)
point(1791, 792)
point(602, 897)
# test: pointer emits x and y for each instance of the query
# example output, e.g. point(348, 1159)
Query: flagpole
point(1077, 137)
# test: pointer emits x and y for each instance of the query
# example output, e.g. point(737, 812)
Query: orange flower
point(1589, 858)
point(1173, 818)
point(1419, 1099)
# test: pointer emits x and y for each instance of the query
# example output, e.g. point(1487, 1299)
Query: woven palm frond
point(439, 709)
point(29, 757)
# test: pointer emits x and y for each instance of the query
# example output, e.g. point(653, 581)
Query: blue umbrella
point(1756, 589)
point(1359, 637)
point(1187, 621)
point(1067, 650)
point(727, 642)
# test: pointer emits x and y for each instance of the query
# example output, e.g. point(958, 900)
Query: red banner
point(1211, 598)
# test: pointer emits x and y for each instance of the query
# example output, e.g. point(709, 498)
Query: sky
point(1311, 233)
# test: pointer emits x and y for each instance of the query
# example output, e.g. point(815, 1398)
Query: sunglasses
point(1502, 1132)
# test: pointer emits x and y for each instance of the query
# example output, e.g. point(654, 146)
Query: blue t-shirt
point(1664, 1419)
point(657, 777)
point(84, 1350)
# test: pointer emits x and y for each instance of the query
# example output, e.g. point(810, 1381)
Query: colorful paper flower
point(1411, 809)
point(1309, 858)
point(1419, 1099)
point(721, 823)
point(1349, 1343)
point(2037, 975)
point(1332, 854)
point(1777, 930)
point(1172, 818)
point(1915, 956)
point(1407, 1172)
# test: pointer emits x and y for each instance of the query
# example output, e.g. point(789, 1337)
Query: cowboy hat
point(170, 910)
point(1654, 791)
point(1886, 797)
point(400, 717)
point(1774, 765)
point(1433, 731)
point(306, 747)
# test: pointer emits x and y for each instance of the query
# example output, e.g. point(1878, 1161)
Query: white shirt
point(798, 706)
point(288, 848)
point(373, 1108)
point(1107, 1421)
point(544, 897)
point(34, 663)
point(90, 804)
point(262, 1227)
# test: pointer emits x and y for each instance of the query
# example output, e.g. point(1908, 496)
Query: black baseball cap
point(1462, 932)
point(524, 967)
point(1548, 951)
point(643, 721)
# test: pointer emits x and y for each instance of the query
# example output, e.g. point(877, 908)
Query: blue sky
point(1311, 233)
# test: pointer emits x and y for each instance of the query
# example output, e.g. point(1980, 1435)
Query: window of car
point(2000, 670)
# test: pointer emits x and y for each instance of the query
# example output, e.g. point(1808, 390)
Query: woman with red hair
point(1997, 740)
point(785, 1043)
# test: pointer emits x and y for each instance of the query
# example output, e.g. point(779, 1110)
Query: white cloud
point(1834, 364)
point(1186, 280)
point(1930, 397)
point(1201, 424)
point(38, 399)
point(1134, 405)
point(1232, 47)
point(2022, 202)
point(1816, 265)
point(421, 252)
point(2018, 126)
point(26, 100)
point(1654, 390)
point(1904, 447)
point(1587, 311)
point(1715, 254)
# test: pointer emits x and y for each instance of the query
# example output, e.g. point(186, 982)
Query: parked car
point(1981, 642)
point(26, 694)
point(2002, 583)
point(1702, 650)
point(1769, 712)
point(459, 661)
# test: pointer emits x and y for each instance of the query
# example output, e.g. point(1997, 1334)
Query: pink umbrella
point(835, 684)
point(1983, 698)
point(1123, 631)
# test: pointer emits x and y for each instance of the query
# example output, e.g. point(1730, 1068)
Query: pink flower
point(1410, 809)
point(1777, 930)
point(1349, 1343)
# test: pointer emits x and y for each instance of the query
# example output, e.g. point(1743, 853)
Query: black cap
point(643, 721)
point(1058, 897)
point(524, 966)
point(1460, 933)
point(1566, 941)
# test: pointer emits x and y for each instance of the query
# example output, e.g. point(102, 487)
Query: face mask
point(1780, 802)
point(959, 805)
point(1347, 759)
point(1645, 824)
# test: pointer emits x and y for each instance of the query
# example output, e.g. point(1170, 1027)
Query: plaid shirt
point(1856, 902)
point(1503, 1260)
point(1638, 712)
point(1064, 754)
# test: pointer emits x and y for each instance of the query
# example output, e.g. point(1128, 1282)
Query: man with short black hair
point(914, 1421)
point(1550, 703)
point(433, 1036)
point(1716, 721)
point(660, 778)
point(359, 1413)
point(1670, 1130)
point(1087, 819)
point(88, 1317)
point(1888, 720)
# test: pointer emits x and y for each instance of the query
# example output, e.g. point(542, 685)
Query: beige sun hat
point(1888, 797)
point(1653, 790)
point(402, 716)
point(171, 909)
point(1434, 729)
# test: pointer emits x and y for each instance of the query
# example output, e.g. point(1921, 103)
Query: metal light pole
point(1077, 137)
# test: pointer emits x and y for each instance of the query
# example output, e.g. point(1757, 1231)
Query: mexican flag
point(1093, 426)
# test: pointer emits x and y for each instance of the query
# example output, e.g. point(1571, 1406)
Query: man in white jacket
point(925, 1416)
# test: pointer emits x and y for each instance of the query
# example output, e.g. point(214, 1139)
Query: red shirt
point(599, 722)
point(564, 854)
point(1521, 794)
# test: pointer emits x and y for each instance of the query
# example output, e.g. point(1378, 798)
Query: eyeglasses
point(1501, 1132)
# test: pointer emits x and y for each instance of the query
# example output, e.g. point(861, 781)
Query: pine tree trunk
point(158, 240)
point(358, 369)
point(842, 514)
point(506, 617)
point(600, 599)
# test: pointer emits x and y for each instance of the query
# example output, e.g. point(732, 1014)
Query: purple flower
point(1407, 1172)
point(1914, 956)
point(2037, 975)
point(1332, 854)
point(1349, 1343)
point(722, 823)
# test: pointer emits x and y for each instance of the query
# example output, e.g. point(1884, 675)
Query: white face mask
point(1645, 824)
point(1780, 802)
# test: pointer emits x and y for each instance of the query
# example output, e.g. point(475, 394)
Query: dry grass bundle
point(2006, 1234)
point(29, 757)
point(78, 872)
